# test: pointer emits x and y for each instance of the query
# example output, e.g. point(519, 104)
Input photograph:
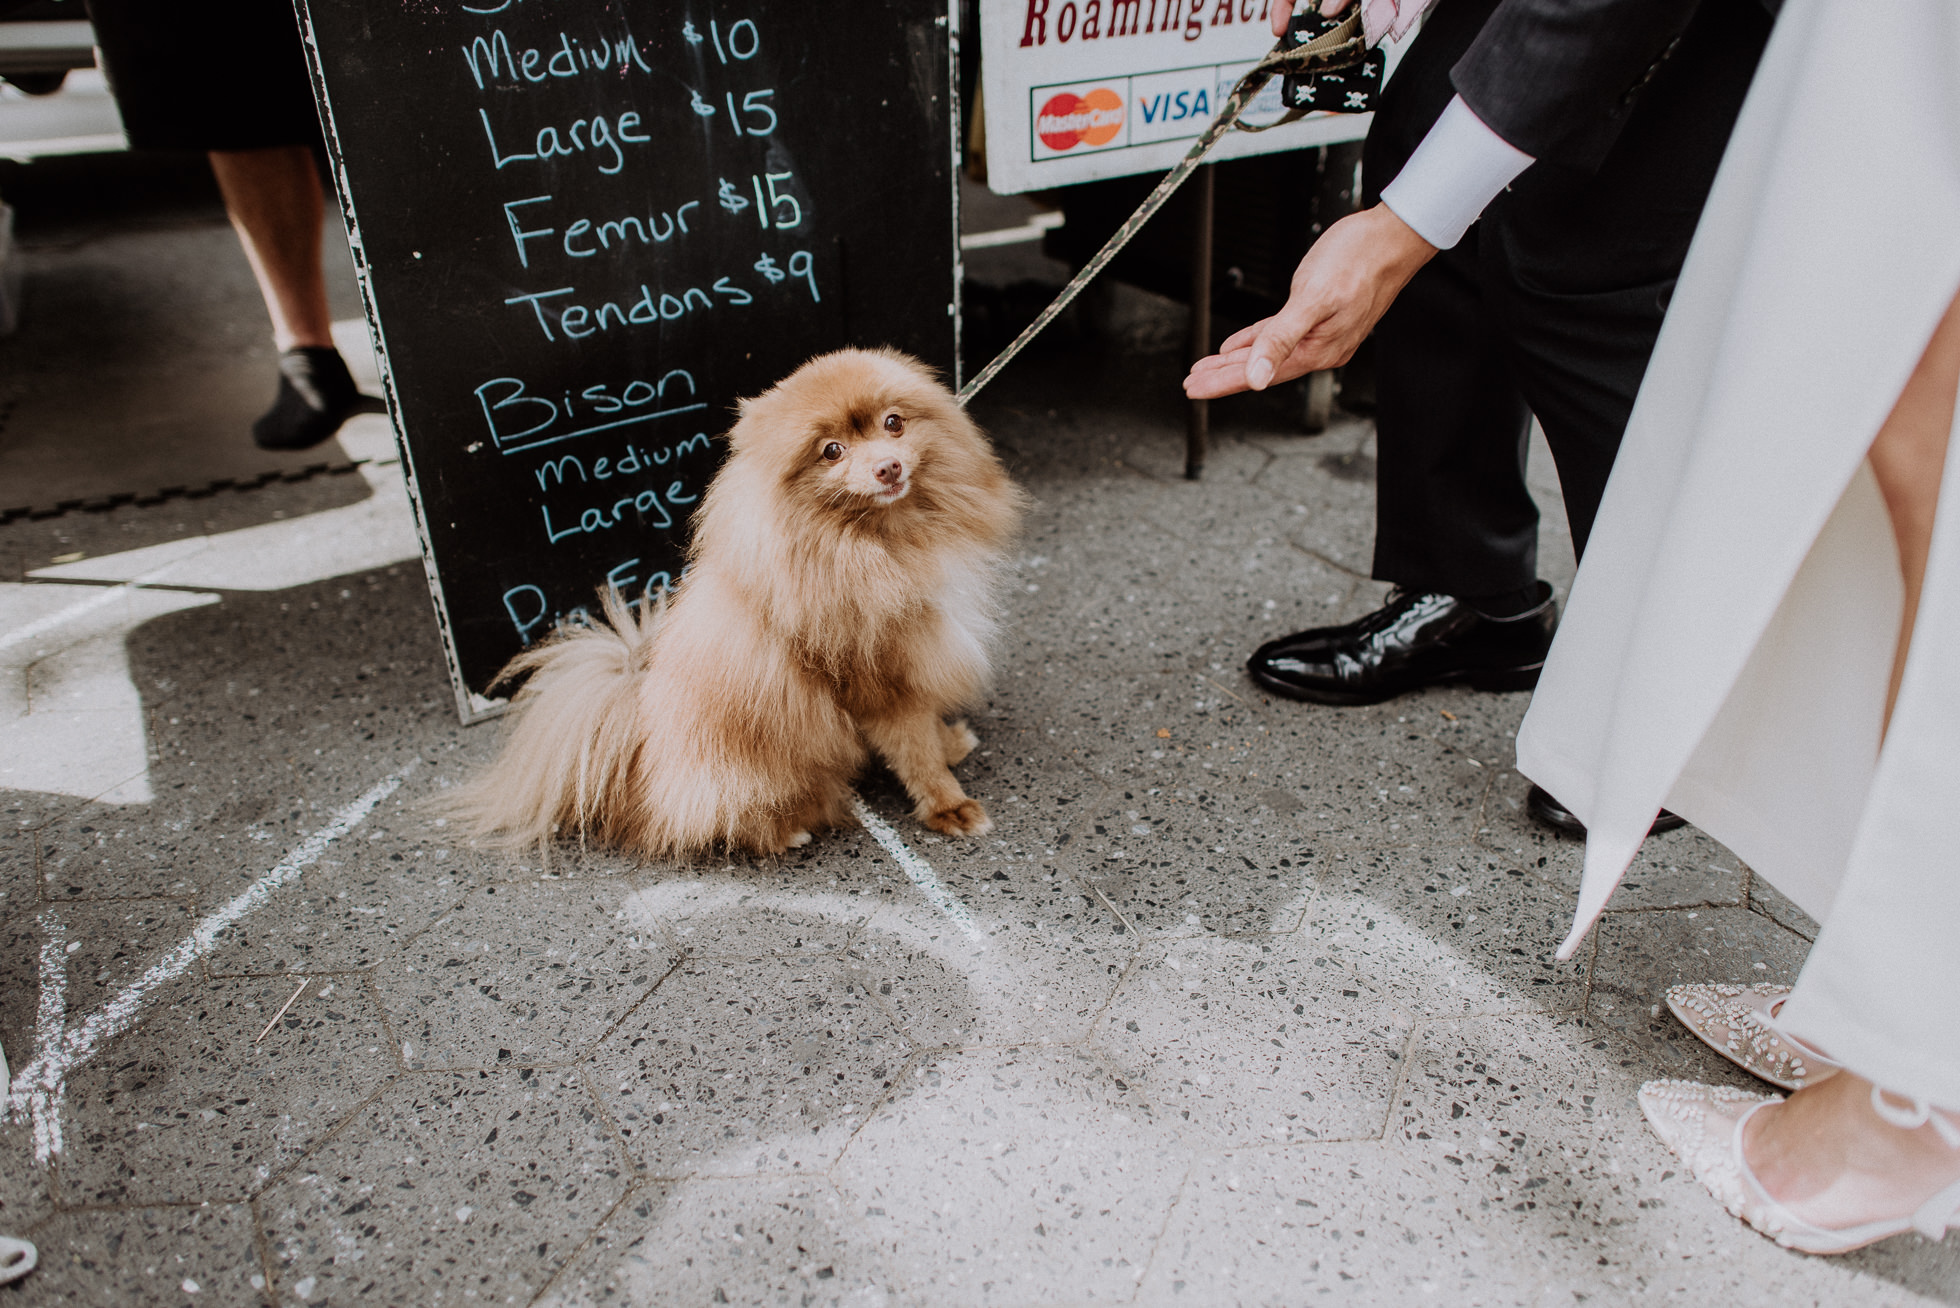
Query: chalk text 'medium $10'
point(773, 200)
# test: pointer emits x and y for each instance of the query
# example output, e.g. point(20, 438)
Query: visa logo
point(1174, 107)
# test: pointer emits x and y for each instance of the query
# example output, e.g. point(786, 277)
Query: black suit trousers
point(1549, 306)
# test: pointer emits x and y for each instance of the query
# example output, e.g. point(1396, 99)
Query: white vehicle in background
point(53, 99)
point(42, 41)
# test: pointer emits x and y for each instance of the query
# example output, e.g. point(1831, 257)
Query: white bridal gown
point(1727, 644)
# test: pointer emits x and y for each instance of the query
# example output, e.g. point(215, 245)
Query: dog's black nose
point(889, 471)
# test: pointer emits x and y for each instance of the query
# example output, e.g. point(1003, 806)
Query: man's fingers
point(1225, 373)
point(1243, 337)
point(1278, 337)
point(1215, 382)
point(1222, 362)
point(1217, 375)
point(1280, 11)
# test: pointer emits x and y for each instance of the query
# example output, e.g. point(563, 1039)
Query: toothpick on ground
point(303, 984)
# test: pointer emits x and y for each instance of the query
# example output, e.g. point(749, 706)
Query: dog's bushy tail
point(568, 761)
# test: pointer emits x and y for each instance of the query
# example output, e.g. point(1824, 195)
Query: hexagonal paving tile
point(1335, 1224)
point(748, 1065)
point(755, 1240)
point(752, 914)
point(1014, 1176)
point(142, 1256)
point(229, 826)
point(1253, 1040)
point(1383, 775)
point(1172, 869)
point(107, 851)
point(189, 1105)
point(1443, 933)
point(30, 810)
point(523, 974)
point(484, 1183)
point(348, 911)
point(1042, 978)
point(1364, 777)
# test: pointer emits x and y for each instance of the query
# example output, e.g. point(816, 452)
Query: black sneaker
point(316, 395)
point(1414, 640)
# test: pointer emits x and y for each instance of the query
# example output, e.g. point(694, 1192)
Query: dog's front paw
point(965, 818)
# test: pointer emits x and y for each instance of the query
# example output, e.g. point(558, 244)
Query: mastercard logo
point(1068, 120)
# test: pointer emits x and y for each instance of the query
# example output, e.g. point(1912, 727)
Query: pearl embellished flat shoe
point(1736, 1022)
point(1703, 1125)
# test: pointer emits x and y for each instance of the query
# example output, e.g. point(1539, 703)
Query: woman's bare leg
point(1909, 457)
point(274, 199)
point(1825, 1154)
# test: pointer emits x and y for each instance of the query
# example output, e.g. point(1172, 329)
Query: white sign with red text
point(1077, 90)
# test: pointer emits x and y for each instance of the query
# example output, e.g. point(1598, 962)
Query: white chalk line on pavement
point(49, 1016)
point(38, 1089)
point(919, 871)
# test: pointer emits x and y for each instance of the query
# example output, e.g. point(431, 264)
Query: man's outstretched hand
point(1340, 291)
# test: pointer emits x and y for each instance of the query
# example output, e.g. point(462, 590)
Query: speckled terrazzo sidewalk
point(1258, 1003)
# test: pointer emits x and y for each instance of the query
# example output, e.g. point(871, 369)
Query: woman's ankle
point(1830, 1158)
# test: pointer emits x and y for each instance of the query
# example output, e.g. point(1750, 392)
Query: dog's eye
point(833, 452)
point(894, 424)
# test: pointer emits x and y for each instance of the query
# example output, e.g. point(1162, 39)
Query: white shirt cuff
point(1457, 170)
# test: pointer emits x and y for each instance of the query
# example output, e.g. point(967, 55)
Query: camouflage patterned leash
point(1340, 48)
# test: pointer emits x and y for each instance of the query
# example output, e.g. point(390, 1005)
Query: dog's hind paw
point(959, 740)
point(965, 818)
point(798, 839)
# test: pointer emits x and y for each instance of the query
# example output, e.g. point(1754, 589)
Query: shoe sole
point(1495, 680)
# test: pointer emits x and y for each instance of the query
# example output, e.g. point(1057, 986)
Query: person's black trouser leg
point(1452, 511)
point(1578, 361)
point(1552, 301)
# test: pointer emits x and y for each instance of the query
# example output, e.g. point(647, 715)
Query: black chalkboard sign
point(584, 230)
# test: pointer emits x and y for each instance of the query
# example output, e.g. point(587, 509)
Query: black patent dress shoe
point(1414, 640)
point(1540, 804)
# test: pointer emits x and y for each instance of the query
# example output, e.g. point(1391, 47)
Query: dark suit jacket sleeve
point(1557, 78)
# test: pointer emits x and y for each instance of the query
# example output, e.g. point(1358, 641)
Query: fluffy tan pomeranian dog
point(839, 597)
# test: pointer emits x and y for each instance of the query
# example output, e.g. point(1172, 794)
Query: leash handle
point(1344, 43)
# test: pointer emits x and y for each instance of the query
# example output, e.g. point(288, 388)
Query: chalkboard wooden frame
point(414, 99)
